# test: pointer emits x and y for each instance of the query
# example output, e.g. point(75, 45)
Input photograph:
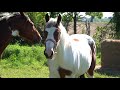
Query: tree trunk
point(92, 18)
point(87, 23)
point(75, 19)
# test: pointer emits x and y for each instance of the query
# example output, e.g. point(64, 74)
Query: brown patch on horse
point(63, 72)
point(93, 63)
point(75, 39)
point(57, 34)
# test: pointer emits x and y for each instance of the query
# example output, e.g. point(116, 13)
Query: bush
point(18, 56)
point(103, 33)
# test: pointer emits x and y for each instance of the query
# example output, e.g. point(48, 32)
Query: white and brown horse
point(69, 56)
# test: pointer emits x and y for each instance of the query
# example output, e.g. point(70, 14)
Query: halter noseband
point(52, 41)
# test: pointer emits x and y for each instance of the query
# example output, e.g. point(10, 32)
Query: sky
point(105, 14)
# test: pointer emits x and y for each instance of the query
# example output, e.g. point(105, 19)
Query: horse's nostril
point(51, 54)
point(47, 56)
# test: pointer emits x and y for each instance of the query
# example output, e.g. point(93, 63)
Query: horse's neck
point(64, 38)
point(5, 38)
point(64, 43)
point(3, 44)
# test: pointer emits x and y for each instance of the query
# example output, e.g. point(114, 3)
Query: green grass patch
point(23, 61)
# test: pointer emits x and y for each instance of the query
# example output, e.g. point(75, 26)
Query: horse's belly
point(82, 66)
point(82, 59)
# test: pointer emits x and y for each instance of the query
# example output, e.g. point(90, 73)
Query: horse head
point(21, 25)
point(51, 35)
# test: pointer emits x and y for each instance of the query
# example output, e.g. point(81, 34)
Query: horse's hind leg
point(90, 73)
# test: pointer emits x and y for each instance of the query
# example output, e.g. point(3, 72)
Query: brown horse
point(17, 24)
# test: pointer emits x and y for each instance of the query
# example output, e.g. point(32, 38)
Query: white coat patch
point(15, 33)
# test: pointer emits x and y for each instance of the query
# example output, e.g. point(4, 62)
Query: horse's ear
point(22, 13)
point(47, 17)
point(59, 19)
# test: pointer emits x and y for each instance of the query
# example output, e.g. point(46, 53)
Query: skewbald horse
point(69, 56)
point(17, 24)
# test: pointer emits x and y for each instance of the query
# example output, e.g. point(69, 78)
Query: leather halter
point(55, 44)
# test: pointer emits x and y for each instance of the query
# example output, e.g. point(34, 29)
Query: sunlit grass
point(23, 62)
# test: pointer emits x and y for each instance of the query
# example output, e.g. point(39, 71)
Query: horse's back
point(81, 36)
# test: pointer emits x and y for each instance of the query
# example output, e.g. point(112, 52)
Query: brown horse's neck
point(5, 36)
point(4, 43)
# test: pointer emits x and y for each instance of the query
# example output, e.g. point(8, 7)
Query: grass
point(23, 62)
point(30, 62)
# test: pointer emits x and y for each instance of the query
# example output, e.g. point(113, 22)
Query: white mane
point(64, 35)
point(7, 15)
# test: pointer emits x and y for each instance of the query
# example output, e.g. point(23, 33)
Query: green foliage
point(103, 33)
point(37, 18)
point(23, 62)
point(16, 56)
point(67, 17)
point(55, 14)
point(95, 14)
point(116, 24)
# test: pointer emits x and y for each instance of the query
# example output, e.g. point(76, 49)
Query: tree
point(54, 14)
point(75, 22)
point(94, 14)
point(37, 18)
point(68, 17)
point(116, 24)
point(116, 20)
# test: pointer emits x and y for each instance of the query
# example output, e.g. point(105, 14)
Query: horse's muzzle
point(48, 54)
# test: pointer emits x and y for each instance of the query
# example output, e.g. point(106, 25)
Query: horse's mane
point(8, 15)
point(64, 35)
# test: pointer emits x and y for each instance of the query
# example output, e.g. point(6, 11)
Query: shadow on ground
point(108, 71)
